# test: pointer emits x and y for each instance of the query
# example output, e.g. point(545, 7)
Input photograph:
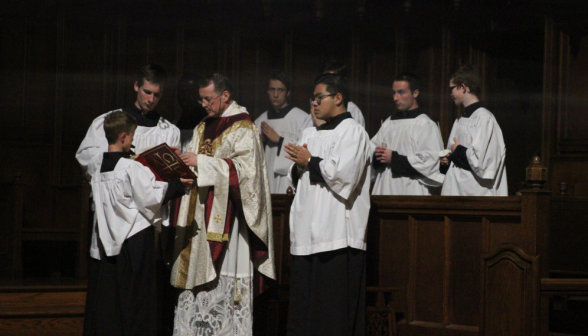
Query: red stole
point(213, 128)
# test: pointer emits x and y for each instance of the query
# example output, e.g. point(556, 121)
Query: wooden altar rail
point(463, 265)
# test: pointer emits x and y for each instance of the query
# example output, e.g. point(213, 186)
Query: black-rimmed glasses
point(318, 99)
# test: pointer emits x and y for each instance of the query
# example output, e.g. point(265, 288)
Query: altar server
point(281, 124)
point(328, 218)
point(407, 146)
point(336, 67)
point(152, 129)
point(475, 166)
point(122, 297)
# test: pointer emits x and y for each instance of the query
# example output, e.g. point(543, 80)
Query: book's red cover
point(164, 163)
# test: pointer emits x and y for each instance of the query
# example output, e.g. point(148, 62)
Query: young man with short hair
point(328, 219)
point(152, 129)
point(281, 124)
point(406, 148)
point(122, 297)
point(475, 166)
point(338, 68)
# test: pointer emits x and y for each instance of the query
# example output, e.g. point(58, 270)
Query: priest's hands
point(299, 154)
point(269, 132)
point(455, 144)
point(190, 159)
point(383, 154)
point(187, 182)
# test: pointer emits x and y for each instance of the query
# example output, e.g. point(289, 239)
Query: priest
point(407, 146)
point(328, 218)
point(281, 124)
point(224, 239)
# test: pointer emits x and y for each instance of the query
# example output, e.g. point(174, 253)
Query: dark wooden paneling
point(427, 277)
point(510, 296)
point(465, 245)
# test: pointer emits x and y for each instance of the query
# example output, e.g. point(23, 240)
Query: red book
point(164, 163)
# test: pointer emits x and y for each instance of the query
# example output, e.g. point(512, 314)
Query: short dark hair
point(468, 75)
point(116, 123)
point(282, 77)
point(334, 84)
point(152, 73)
point(414, 81)
point(221, 83)
point(336, 67)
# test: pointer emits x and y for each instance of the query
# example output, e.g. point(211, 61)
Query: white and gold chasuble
point(221, 303)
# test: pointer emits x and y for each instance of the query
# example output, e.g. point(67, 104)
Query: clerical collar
point(227, 112)
point(109, 161)
point(281, 113)
point(151, 119)
point(333, 122)
point(467, 112)
point(407, 115)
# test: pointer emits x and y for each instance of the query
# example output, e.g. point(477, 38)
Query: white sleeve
point(487, 151)
point(426, 143)
point(343, 169)
point(356, 113)
point(175, 136)
point(147, 193)
point(281, 163)
point(452, 135)
point(89, 154)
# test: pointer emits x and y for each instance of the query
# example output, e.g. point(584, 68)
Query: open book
point(164, 163)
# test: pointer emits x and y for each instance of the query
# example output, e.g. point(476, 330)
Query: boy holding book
point(122, 297)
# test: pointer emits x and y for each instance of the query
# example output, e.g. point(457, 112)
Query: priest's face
point(148, 95)
point(278, 94)
point(212, 102)
point(324, 102)
point(404, 98)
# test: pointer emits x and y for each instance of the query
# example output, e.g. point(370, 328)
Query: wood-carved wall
point(66, 62)
point(565, 140)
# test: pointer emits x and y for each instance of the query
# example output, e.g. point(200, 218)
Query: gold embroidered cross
point(217, 218)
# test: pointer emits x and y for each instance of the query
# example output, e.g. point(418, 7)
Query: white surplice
point(89, 154)
point(333, 215)
point(127, 200)
point(486, 153)
point(420, 141)
point(356, 113)
point(289, 127)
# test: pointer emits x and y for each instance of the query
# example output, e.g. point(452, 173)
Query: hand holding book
point(165, 163)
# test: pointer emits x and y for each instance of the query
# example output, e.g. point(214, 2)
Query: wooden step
point(38, 309)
